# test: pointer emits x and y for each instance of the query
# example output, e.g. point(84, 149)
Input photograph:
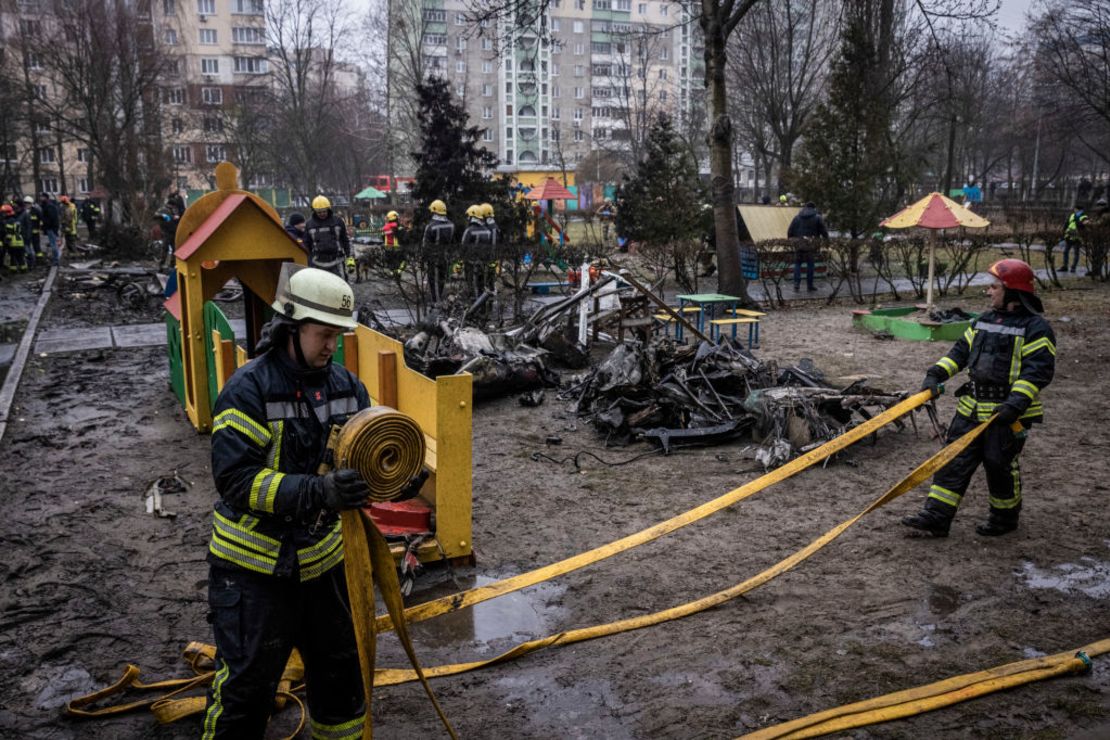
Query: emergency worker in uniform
point(276, 555)
point(69, 225)
point(494, 263)
point(477, 248)
point(12, 234)
point(1074, 231)
point(325, 238)
point(1010, 354)
point(439, 235)
point(392, 233)
point(31, 218)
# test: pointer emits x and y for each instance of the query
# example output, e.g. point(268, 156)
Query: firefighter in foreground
point(1010, 354)
point(325, 238)
point(276, 556)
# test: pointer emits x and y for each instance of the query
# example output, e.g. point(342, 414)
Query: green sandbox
point(895, 321)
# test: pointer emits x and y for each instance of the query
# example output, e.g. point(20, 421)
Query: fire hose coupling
point(1086, 659)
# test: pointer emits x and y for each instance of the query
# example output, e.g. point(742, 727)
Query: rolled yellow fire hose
point(387, 448)
point(464, 599)
point(935, 695)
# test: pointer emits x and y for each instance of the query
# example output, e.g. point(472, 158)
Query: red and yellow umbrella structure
point(550, 189)
point(934, 211)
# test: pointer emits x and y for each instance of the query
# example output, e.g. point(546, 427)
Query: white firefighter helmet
point(308, 294)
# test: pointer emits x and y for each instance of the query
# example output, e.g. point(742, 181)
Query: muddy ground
point(91, 582)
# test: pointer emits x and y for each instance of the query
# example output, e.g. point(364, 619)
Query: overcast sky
point(1012, 14)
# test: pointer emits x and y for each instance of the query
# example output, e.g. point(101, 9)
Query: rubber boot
point(999, 522)
point(928, 523)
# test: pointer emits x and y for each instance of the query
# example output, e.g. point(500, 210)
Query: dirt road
point(91, 582)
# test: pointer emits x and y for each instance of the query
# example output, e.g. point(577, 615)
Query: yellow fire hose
point(388, 677)
point(387, 448)
point(935, 695)
point(388, 458)
point(389, 475)
point(464, 599)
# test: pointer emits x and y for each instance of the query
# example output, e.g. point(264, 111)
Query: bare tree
point(778, 61)
point(100, 72)
point(638, 93)
point(1075, 52)
point(304, 39)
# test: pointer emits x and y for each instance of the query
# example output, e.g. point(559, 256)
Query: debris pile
point(500, 365)
point(706, 394)
point(950, 315)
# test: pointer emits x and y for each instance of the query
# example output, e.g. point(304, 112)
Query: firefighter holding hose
point(1010, 354)
point(276, 555)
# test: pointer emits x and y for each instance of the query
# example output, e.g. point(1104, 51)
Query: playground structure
point(231, 233)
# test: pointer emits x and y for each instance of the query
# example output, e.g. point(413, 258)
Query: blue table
point(710, 304)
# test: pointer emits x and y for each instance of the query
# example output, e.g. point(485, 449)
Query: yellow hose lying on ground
point(385, 465)
point(464, 599)
point(935, 695)
point(388, 677)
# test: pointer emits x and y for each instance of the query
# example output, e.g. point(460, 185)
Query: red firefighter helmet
point(1018, 276)
point(7, 210)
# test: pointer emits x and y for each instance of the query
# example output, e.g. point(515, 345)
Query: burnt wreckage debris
point(706, 394)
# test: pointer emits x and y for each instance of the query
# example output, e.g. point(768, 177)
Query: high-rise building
point(587, 76)
point(217, 59)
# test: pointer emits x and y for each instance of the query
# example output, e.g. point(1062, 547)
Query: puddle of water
point(522, 615)
point(1089, 576)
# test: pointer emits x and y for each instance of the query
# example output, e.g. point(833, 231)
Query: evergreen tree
point(663, 202)
point(846, 156)
point(451, 164)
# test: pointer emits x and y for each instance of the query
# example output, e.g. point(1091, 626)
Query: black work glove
point(413, 486)
point(1006, 415)
point(932, 385)
point(344, 489)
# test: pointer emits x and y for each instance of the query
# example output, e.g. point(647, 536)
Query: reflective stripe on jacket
point(13, 233)
point(269, 435)
point(1014, 350)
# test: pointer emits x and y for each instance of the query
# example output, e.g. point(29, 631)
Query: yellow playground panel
point(232, 233)
point(229, 233)
point(442, 409)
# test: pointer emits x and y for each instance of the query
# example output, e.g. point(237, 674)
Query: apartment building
point(217, 60)
point(585, 77)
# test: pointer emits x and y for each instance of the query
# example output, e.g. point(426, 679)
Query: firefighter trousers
point(257, 621)
point(997, 450)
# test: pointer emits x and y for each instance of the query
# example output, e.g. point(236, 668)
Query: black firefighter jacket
point(1010, 356)
point(269, 436)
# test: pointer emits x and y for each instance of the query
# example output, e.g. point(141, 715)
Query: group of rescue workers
point(28, 227)
point(323, 235)
point(276, 577)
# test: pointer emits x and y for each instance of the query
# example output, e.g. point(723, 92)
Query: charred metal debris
point(675, 394)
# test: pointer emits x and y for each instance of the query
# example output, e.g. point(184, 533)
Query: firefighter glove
point(1006, 415)
point(344, 489)
point(413, 486)
point(932, 385)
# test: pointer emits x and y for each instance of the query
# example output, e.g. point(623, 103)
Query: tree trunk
point(730, 280)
